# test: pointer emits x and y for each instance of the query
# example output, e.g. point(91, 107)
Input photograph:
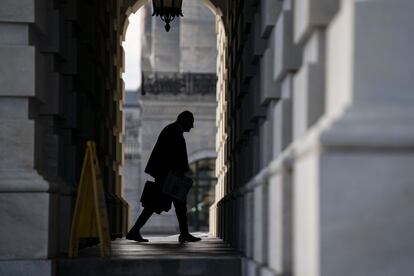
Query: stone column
point(367, 200)
point(353, 173)
point(222, 142)
point(24, 194)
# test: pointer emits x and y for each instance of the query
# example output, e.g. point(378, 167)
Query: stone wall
point(61, 86)
point(25, 193)
point(312, 167)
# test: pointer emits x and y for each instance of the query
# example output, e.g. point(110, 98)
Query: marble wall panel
point(17, 140)
point(269, 12)
point(17, 11)
point(269, 88)
point(309, 98)
point(26, 216)
point(21, 267)
point(310, 14)
point(16, 108)
point(306, 243)
point(249, 215)
point(14, 34)
point(17, 70)
point(382, 61)
point(259, 224)
point(366, 217)
point(287, 54)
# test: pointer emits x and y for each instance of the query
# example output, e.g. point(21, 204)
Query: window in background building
point(201, 195)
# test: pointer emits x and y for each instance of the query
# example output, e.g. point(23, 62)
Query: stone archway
point(218, 9)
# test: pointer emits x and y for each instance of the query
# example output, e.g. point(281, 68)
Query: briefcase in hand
point(150, 193)
point(177, 186)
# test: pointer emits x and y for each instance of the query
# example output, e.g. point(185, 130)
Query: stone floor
point(161, 256)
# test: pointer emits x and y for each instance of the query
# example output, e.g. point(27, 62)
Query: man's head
point(186, 120)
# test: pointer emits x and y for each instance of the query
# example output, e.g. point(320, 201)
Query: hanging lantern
point(167, 10)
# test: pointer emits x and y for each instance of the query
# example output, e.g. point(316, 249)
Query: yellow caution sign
point(90, 218)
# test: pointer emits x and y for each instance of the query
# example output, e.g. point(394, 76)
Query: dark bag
point(153, 198)
point(177, 186)
point(150, 193)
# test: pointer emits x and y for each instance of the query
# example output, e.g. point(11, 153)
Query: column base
point(27, 267)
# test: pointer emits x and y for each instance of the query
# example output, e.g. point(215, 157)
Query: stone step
point(151, 267)
point(161, 256)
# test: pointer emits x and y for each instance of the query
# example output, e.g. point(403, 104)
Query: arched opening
point(173, 81)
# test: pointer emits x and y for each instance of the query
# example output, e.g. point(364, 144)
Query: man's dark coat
point(169, 154)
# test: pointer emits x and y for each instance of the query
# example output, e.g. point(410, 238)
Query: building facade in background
point(131, 170)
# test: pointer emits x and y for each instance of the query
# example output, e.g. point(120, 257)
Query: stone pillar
point(25, 196)
point(372, 138)
point(353, 177)
point(222, 141)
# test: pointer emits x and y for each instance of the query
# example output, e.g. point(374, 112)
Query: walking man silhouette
point(169, 155)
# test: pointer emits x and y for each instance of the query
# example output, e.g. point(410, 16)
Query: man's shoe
point(136, 237)
point(188, 238)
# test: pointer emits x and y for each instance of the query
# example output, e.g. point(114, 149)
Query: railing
point(131, 150)
point(178, 83)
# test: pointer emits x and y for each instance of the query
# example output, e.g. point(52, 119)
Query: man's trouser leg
point(142, 219)
point(181, 212)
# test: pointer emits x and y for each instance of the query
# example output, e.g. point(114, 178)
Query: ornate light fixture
point(167, 10)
